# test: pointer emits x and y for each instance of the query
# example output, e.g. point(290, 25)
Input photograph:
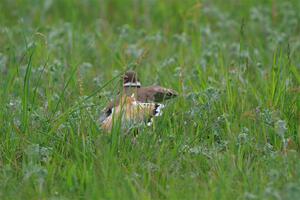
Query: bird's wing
point(156, 94)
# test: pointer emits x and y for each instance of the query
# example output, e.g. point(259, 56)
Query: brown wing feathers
point(147, 99)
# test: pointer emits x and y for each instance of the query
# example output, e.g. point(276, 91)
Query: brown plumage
point(130, 112)
point(145, 94)
point(132, 86)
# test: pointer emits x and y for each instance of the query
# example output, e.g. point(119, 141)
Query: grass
point(233, 133)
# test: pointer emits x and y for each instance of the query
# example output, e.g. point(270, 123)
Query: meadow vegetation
point(233, 132)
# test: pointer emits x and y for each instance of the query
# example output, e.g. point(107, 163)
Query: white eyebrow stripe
point(138, 84)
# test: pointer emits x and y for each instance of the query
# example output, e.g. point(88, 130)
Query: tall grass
point(233, 132)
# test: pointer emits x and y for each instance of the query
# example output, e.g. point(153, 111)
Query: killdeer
point(131, 113)
point(131, 84)
point(141, 97)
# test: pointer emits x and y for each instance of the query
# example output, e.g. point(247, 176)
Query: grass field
point(233, 132)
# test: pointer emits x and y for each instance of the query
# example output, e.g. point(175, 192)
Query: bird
point(149, 98)
point(132, 113)
point(132, 84)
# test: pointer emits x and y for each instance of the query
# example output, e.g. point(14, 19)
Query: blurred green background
point(233, 132)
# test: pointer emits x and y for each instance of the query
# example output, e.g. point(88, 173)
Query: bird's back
point(131, 112)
